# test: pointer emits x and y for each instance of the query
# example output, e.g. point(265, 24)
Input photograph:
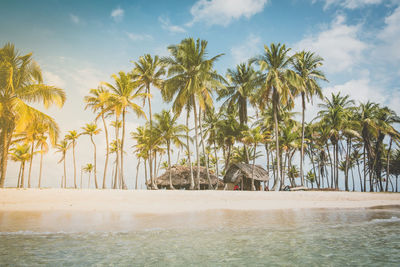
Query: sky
point(79, 44)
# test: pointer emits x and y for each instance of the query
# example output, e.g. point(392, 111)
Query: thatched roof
point(237, 170)
point(181, 177)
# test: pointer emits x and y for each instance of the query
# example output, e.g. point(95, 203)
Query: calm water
point(217, 238)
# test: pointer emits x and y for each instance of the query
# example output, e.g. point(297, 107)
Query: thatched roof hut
point(241, 173)
point(181, 178)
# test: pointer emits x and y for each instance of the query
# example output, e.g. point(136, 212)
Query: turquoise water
point(365, 237)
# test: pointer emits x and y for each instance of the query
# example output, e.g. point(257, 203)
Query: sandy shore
point(167, 202)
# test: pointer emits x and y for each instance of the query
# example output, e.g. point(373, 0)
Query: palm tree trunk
point(137, 174)
point(88, 185)
point(122, 151)
point(41, 165)
point(365, 170)
point(330, 161)
point(388, 164)
point(169, 166)
point(107, 151)
point(65, 173)
point(347, 165)
point(30, 165)
point(337, 166)
point(73, 153)
point(153, 185)
point(19, 175)
point(22, 175)
point(352, 179)
point(253, 188)
point(197, 143)
point(5, 141)
point(216, 162)
point(94, 161)
point(188, 149)
point(81, 178)
point(359, 175)
point(276, 99)
point(303, 102)
point(210, 186)
point(145, 174)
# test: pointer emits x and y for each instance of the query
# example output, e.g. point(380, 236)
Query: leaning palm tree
point(98, 100)
point(306, 65)
point(63, 147)
point(91, 129)
point(171, 132)
point(21, 83)
point(147, 72)
point(21, 153)
point(73, 136)
point(278, 84)
point(121, 100)
point(190, 78)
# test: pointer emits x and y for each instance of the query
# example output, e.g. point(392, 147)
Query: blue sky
point(81, 43)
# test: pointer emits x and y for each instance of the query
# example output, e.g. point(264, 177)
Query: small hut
point(181, 178)
point(240, 174)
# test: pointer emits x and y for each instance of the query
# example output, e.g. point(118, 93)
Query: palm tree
point(148, 71)
point(244, 82)
point(98, 101)
point(170, 132)
point(141, 147)
point(335, 115)
point(278, 84)
point(44, 148)
point(88, 169)
point(73, 136)
point(253, 137)
point(63, 147)
point(122, 99)
point(91, 129)
point(21, 153)
point(306, 65)
point(21, 83)
point(190, 79)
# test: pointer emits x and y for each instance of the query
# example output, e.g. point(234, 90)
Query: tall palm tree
point(190, 78)
point(244, 82)
point(91, 129)
point(98, 100)
point(21, 82)
point(170, 132)
point(278, 84)
point(21, 153)
point(63, 147)
point(147, 72)
point(44, 148)
point(306, 65)
point(122, 99)
point(73, 136)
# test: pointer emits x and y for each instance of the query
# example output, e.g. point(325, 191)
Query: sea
point(305, 237)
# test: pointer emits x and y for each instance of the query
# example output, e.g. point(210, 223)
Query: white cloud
point(138, 37)
point(222, 12)
point(75, 19)
point(117, 14)
point(51, 78)
point(350, 4)
point(248, 49)
point(390, 37)
point(166, 25)
point(339, 45)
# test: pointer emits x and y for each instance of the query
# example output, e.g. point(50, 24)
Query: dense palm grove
point(354, 145)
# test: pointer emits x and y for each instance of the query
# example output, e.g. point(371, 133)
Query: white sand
point(166, 202)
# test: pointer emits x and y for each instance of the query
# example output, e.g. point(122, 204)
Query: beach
point(169, 202)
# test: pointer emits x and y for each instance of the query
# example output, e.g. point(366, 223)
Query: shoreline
point(163, 202)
